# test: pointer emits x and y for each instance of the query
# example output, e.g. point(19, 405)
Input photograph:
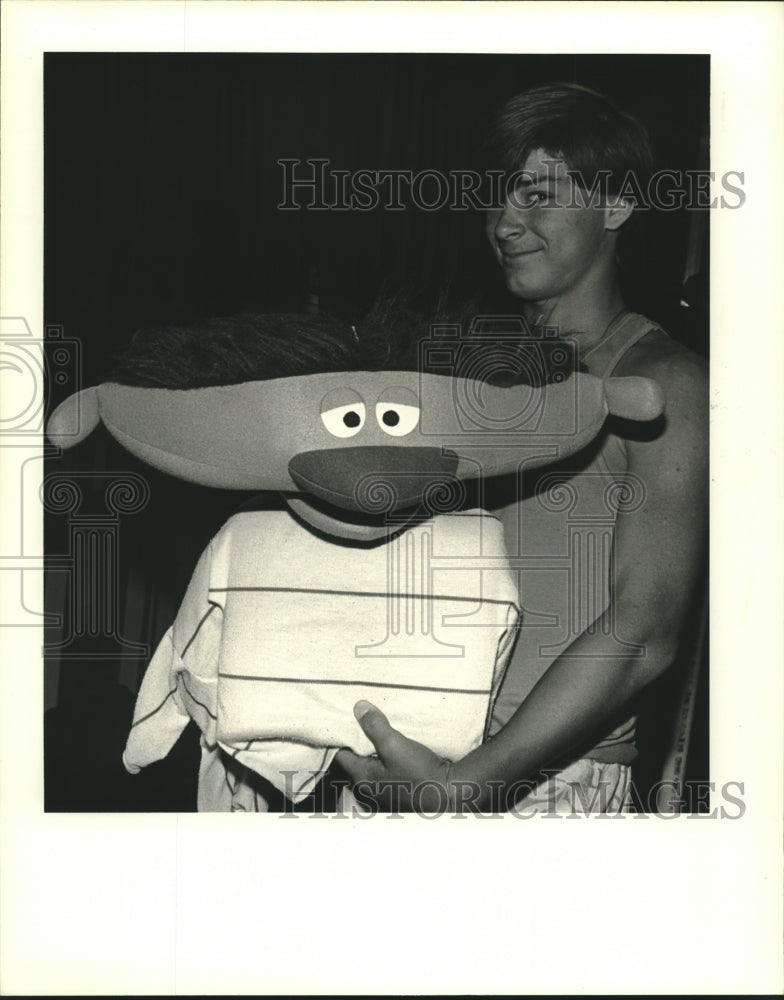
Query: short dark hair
point(581, 126)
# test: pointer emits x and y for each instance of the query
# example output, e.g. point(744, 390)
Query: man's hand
point(404, 776)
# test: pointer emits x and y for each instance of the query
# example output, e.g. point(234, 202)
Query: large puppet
point(375, 577)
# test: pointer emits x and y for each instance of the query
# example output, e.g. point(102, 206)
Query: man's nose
point(509, 225)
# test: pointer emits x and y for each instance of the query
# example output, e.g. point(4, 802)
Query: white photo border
point(164, 904)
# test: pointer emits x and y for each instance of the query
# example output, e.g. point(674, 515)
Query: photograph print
point(376, 462)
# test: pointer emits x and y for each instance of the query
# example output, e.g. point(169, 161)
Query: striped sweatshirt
point(282, 631)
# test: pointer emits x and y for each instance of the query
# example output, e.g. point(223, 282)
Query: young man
point(609, 548)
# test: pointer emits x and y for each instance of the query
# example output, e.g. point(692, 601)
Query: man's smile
point(507, 256)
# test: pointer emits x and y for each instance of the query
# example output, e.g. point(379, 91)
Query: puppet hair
point(244, 348)
point(255, 347)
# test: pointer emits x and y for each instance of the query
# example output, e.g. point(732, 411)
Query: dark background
point(161, 195)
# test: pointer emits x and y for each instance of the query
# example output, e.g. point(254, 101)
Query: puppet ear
point(634, 398)
point(74, 419)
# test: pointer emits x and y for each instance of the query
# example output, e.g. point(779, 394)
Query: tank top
point(559, 523)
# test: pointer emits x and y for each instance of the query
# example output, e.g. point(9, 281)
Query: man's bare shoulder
point(683, 378)
point(672, 365)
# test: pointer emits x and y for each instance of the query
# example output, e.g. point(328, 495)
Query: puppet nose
point(378, 480)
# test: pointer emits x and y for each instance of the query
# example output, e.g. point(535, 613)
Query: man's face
point(546, 239)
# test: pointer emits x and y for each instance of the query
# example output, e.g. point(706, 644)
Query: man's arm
point(657, 557)
point(656, 561)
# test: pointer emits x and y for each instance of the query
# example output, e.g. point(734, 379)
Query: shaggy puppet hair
point(256, 347)
point(243, 348)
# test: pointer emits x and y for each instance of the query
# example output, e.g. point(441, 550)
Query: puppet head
point(359, 432)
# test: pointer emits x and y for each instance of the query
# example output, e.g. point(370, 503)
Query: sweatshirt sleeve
point(161, 714)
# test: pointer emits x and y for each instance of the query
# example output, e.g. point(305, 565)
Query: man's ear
point(74, 419)
point(616, 213)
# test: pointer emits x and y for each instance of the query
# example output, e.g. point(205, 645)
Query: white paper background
point(129, 904)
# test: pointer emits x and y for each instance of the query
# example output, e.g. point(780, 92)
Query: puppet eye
point(397, 419)
point(344, 421)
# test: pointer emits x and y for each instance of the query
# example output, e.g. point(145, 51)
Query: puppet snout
point(374, 480)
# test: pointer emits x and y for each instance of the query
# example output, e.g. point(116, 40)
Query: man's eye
point(530, 199)
point(344, 421)
point(397, 419)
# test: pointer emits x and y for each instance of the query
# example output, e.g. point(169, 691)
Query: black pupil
point(351, 419)
point(391, 418)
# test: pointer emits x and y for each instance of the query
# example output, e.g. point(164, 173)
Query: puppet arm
point(166, 702)
point(657, 558)
point(159, 716)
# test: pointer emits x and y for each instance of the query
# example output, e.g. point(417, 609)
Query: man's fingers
point(376, 727)
point(356, 767)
